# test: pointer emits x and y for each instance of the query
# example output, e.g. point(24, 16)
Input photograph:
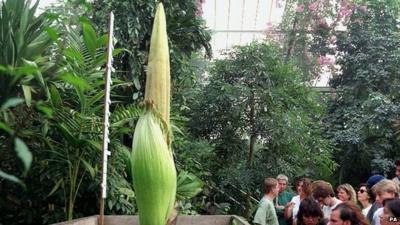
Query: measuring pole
point(106, 123)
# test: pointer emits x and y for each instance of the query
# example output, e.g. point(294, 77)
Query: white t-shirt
point(327, 210)
point(295, 210)
point(366, 210)
point(376, 220)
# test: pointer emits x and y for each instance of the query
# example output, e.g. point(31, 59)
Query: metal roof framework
point(241, 22)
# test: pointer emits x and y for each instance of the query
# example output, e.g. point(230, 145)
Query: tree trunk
point(291, 40)
point(253, 136)
point(253, 139)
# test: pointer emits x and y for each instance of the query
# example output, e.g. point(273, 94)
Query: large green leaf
point(27, 94)
point(90, 38)
point(188, 185)
point(56, 187)
point(12, 102)
point(55, 97)
point(102, 41)
point(92, 170)
point(74, 55)
point(23, 153)
point(6, 128)
point(127, 157)
point(75, 81)
point(44, 108)
point(52, 34)
point(10, 177)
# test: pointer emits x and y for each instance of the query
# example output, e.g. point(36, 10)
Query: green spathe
point(154, 174)
point(158, 69)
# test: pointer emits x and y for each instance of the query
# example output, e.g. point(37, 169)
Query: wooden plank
point(117, 220)
point(181, 220)
point(92, 220)
point(204, 220)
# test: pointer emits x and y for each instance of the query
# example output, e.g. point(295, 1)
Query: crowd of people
point(376, 202)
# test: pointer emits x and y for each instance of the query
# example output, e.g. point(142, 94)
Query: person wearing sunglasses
point(364, 198)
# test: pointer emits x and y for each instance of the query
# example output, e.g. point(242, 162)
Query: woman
point(391, 212)
point(345, 192)
point(310, 212)
point(364, 198)
point(303, 188)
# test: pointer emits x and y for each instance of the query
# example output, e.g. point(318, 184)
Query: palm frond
point(124, 114)
point(22, 33)
point(77, 123)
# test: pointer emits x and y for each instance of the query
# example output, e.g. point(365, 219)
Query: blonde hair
point(350, 191)
point(282, 177)
point(386, 186)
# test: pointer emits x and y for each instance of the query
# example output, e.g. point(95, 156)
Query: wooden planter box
point(182, 220)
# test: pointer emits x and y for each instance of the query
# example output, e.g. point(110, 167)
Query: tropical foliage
point(66, 145)
point(251, 111)
point(257, 113)
point(355, 42)
point(62, 82)
point(186, 32)
point(361, 115)
point(22, 40)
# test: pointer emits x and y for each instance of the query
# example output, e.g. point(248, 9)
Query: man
point(266, 214)
point(324, 194)
point(397, 177)
point(347, 213)
point(385, 189)
point(283, 198)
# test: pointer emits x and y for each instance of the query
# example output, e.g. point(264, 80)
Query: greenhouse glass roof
point(237, 22)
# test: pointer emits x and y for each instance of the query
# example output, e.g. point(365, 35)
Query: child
point(266, 214)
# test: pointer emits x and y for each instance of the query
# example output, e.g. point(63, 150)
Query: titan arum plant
point(153, 168)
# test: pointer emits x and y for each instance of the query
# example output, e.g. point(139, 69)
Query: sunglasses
point(362, 191)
